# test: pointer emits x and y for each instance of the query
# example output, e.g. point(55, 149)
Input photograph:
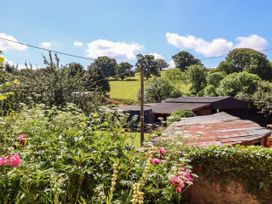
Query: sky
point(121, 29)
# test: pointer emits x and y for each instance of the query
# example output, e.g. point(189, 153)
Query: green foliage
point(123, 70)
point(175, 76)
point(252, 165)
point(237, 83)
point(262, 98)
point(149, 64)
point(68, 157)
point(96, 79)
point(215, 78)
point(178, 115)
point(158, 89)
point(185, 59)
point(197, 77)
point(210, 90)
point(161, 64)
point(245, 59)
point(106, 65)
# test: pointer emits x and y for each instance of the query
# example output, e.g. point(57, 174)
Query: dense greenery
point(197, 77)
point(149, 65)
point(185, 59)
point(63, 156)
point(251, 165)
point(178, 115)
point(158, 89)
point(245, 59)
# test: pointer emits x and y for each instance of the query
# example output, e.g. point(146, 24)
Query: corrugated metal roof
point(195, 99)
point(168, 108)
point(220, 128)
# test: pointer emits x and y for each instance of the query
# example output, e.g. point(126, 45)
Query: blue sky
point(124, 28)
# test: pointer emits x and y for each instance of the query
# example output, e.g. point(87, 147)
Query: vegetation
point(178, 115)
point(63, 156)
point(251, 165)
point(244, 59)
point(197, 77)
point(158, 89)
point(149, 65)
point(185, 59)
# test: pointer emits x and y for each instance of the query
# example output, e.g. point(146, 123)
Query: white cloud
point(253, 41)
point(216, 47)
point(78, 44)
point(157, 55)
point(45, 45)
point(119, 50)
point(7, 45)
point(171, 64)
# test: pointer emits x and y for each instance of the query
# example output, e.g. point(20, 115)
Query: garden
point(62, 142)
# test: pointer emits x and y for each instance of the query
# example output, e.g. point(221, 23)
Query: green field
point(127, 90)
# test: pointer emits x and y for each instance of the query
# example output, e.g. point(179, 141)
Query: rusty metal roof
point(168, 108)
point(218, 129)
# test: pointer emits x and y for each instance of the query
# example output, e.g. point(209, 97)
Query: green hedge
point(252, 165)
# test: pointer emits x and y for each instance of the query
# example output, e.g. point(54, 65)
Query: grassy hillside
point(127, 90)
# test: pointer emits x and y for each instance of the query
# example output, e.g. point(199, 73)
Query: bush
point(242, 82)
point(178, 115)
point(63, 156)
point(158, 89)
point(197, 77)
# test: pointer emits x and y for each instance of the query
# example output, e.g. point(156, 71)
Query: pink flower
point(22, 139)
point(188, 176)
point(162, 151)
point(155, 161)
point(174, 181)
point(178, 189)
point(14, 160)
point(3, 161)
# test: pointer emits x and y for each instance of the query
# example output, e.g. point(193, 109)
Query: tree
point(175, 76)
point(74, 69)
point(162, 63)
point(245, 59)
point(96, 79)
point(185, 59)
point(238, 83)
point(215, 78)
point(123, 70)
point(148, 64)
point(262, 98)
point(158, 89)
point(106, 65)
point(197, 77)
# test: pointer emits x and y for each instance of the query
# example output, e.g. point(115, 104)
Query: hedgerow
point(252, 165)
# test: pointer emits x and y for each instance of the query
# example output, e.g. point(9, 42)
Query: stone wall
point(223, 191)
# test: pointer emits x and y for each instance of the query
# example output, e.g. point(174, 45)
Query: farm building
point(217, 129)
point(134, 111)
point(215, 104)
point(199, 105)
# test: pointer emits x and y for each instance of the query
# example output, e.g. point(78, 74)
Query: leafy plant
point(68, 157)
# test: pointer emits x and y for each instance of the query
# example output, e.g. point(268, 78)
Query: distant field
point(128, 89)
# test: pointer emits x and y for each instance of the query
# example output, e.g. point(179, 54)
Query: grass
point(134, 138)
point(127, 90)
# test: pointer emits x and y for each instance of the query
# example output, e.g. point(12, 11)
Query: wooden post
point(142, 106)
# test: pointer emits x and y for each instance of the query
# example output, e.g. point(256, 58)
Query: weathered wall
point(222, 192)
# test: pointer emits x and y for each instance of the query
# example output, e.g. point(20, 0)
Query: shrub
point(178, 115)
point(158, 89)
point(242, 82)
point(67, 157)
